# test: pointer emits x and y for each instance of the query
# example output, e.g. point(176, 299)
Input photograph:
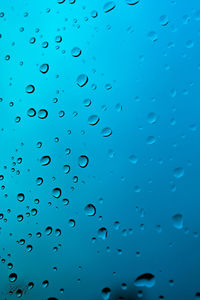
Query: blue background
point(130, 75)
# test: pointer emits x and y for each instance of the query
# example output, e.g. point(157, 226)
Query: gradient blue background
point(146, 76)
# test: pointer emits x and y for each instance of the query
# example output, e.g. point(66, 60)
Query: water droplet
point(30, 89)
point(177, 221)
point(93, 120)
point(20, 218)
point(83, 161)
point(105, 293)
point(102, 233)
point(45, 283)
point(56, 192)
point(106, 131)
point(164, 20)
point(48, 230)
point(87, 102)
point(76, 52)
point(146, 280)
point(151, 140)
point(152, 118)
point(90, 210)
point(108, 6)
point(44, 68)
point(19, 293)
point(81, 80)
point(133, 159)
point(66, 169)
point(20, 197)
point(197, 296)
point(58, 39)
point(45, 160)
point(31, 112)
point(178, 172)
point(153, 36)
point(13, 277)
point(42, 113)
point(72, 223)
point(132, 2)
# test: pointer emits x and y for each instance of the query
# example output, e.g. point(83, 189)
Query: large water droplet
point(44, 68)
point(132, 2)
point(105, 293)
point(178, 172)
point(93, 120)
point(146, 280)
point(45, 160)
point(30, 88)
point(90, 210)
point(31, 112)
point(102, 233)
point(106, 131)
point(20, 197)
point(108, 6)
point(177, 221)
point(81, 80)
point(12, 277)
point(76, 52)
point(56, 192)
point(42, 113)
point(83, 161)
